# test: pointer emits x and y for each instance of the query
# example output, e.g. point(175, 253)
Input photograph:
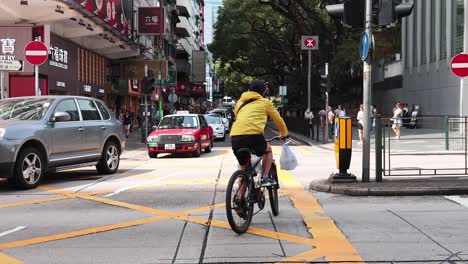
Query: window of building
point(443, 30)
point(457, 26)
point(433, 30)
point(407, 42)
point(423, 33)
point(415, 47)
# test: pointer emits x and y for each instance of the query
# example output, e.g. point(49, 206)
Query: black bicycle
point(244, 190)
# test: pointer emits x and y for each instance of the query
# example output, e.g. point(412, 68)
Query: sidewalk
point(415, 154)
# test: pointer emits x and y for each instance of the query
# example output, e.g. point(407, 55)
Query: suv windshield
point(212, 119)
point(175, 122)
point(24, 108)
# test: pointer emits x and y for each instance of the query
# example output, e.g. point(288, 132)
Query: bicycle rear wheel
point(273, 190)
point(239, 208)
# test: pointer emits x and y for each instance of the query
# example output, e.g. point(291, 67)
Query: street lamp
point(160, 94)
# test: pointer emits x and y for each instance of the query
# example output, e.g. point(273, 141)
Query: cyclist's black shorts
point(257, 143)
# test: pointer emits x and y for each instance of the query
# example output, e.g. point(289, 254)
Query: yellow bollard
point(343, 150)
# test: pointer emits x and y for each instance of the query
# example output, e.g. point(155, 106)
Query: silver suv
point(49, 132)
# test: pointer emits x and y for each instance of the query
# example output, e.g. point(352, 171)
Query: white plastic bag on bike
point(287, 159)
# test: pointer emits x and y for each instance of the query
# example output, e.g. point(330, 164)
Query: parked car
point(223, 114)
point(216, 123)
point(181, 133)
point(56, 132)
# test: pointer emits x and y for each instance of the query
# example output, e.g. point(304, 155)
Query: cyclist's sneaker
point(267, 182)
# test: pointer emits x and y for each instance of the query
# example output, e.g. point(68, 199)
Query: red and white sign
point(36, 52)
point(309, 43)
point(459, 65)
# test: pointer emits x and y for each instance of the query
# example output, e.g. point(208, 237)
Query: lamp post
point(160, 95)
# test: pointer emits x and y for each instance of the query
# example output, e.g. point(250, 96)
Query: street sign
point(283, 90)
point(364, 46)
point(36, 52)
point(11, 65)
point(310, 43)
point(459, 65)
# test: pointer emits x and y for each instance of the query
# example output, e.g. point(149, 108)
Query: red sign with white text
point(116, 13)
point(151, 20)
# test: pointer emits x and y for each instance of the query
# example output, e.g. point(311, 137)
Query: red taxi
point(181, 133)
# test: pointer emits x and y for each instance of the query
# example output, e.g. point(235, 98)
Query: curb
point(356, 190)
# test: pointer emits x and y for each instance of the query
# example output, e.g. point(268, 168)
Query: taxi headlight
point(153, 138)
point(188, 138)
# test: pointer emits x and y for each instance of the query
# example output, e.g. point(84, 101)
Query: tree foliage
point(261, 39)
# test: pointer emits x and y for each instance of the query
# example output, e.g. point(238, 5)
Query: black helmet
point(257, 86)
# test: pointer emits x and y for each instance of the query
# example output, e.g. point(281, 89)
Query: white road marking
point(137, 185)
point(458, 199)
point(12, 230)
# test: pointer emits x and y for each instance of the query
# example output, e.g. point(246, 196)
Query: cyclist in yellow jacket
point(252, 112)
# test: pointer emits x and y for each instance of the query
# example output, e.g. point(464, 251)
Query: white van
point(228, 101)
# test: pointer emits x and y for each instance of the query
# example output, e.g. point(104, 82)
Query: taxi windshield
point(178, 122)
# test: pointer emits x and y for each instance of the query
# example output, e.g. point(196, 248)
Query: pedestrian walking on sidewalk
point(127, 123)
point(309, 116)
point(397, 120)
point(360, 119)
point(331, 122)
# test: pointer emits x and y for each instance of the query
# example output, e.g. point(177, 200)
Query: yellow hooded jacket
point(252, 118)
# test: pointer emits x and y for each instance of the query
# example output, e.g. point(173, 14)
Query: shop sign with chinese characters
point(58, 57)
point(8, 49)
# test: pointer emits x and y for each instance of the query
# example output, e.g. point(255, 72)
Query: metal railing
point(301, 127)
point(422, 143)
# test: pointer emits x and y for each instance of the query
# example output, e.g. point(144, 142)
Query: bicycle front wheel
point(273, 191)
point(239, 208)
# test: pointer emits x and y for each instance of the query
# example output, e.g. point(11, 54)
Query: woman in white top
point(360, 119)
point(397, 120)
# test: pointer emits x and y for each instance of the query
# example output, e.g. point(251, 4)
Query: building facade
point(431, 36)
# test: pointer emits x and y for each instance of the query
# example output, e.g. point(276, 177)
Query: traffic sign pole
point(308, 79)
point(2, 95)
point(367, 93)
point(36, 80)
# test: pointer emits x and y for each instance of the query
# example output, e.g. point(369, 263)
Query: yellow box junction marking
point(329, 240)
point(5, 259)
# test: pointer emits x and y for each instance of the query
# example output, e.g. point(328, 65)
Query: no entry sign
point(36, 52)
point(459, 65)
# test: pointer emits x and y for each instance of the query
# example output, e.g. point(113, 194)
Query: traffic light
point(147, 85)
point(391, 10)
point(324, 84)
point(351, 12)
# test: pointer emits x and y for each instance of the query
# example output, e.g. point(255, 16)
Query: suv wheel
point(110, 159)
point(153, 155)
point(29, 169)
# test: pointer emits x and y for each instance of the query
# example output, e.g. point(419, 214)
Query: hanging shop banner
point(151, 20)
point(199, 66)
point(115, 13)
